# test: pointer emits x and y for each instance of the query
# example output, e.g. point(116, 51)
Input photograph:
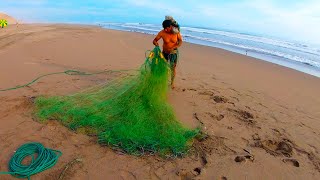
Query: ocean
point(295, 55)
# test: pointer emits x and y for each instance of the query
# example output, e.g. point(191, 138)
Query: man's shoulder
point(161, 32)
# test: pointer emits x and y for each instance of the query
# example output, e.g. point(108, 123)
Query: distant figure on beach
point(172, 40)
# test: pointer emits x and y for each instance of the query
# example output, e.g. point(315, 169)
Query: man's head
point(167, 26)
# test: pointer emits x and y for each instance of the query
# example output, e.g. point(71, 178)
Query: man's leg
point(173, 75)
point(173, 64)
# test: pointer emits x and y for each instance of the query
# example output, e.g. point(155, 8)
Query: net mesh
point(131, 113)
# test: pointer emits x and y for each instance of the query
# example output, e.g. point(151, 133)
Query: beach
point(265, 114)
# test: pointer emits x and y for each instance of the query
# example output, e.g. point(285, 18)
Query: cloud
point(299, 21)
point(292, 19)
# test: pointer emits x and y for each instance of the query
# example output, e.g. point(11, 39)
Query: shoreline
point(298, 66)
point(295, 66)
point(283, 62)
point(244, 105)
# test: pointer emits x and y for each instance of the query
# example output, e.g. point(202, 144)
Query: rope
point(46, 159)
point(67, 72)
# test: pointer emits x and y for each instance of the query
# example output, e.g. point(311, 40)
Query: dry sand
point(264, 113)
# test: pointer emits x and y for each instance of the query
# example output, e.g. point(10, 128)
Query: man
point(172, 40)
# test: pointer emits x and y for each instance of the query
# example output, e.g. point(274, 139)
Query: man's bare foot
point(172, 86)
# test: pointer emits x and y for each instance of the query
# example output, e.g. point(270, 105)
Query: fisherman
point(172, 40)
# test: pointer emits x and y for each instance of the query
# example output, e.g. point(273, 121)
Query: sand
point(263, 115)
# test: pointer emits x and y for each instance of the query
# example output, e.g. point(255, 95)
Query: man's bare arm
point(156, 39)
point(179, 40)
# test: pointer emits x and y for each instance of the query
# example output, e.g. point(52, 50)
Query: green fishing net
point(130, 113)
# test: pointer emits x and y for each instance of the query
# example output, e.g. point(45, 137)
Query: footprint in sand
point(244, 116)
point(216, 117)
point(237, 99)
point(197, 171)
point(184, 174)
point(277, 132)
point(207, 93)
point(256, 137)
point(275, 148)
point(245, 158)
point(220, 99)
point(192, 89)
point(284, 148)
point(240, 159)
point(195, 115)
point(293, 162)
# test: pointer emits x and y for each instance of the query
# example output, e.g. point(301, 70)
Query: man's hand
point(173, 48)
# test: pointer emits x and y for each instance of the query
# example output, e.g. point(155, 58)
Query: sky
point(288, 19)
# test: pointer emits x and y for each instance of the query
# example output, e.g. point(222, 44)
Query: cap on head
point(169, 18)
point(166, 24)
point(174, 23)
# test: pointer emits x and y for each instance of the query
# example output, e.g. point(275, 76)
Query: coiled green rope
point(42, 159)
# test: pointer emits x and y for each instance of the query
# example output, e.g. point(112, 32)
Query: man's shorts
point(172, 58)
